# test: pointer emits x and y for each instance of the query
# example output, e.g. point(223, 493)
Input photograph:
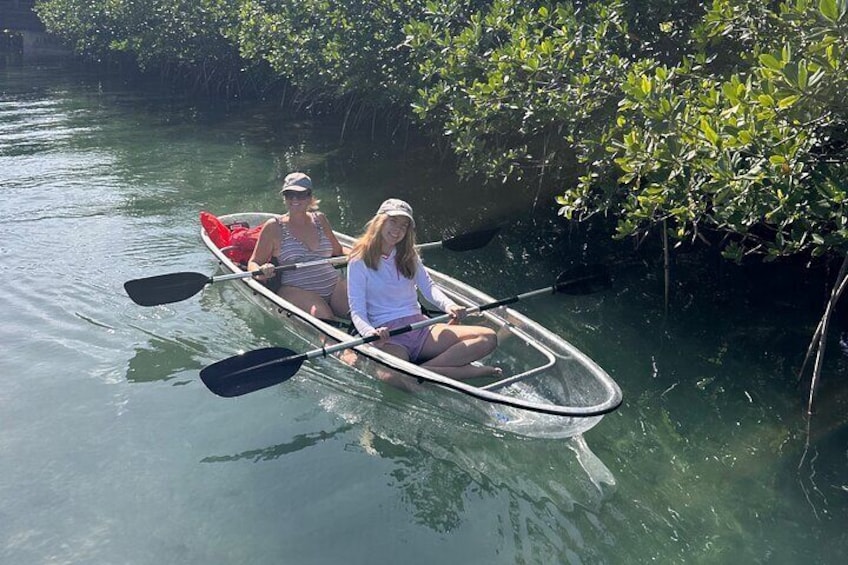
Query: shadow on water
point(301, 441)
point(163, 360)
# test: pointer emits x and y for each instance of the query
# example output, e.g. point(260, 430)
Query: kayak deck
point(548, 387)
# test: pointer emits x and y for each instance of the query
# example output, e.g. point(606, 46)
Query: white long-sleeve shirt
point(379, 296)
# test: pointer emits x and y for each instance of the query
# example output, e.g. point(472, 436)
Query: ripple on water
point(31, 126)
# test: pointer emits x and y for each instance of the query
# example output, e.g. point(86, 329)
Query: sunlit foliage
point(743, 142)
point(722, 123)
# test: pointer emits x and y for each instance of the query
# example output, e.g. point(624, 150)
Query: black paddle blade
point(163, 289)
point(250, 371)
point(583, 279)
point(469, 241)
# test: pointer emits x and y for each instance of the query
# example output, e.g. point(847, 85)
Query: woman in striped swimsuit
point(302, 235)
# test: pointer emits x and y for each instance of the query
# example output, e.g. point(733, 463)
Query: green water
point(112, 450)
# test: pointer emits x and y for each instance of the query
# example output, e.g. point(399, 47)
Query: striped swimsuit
point(320, 279)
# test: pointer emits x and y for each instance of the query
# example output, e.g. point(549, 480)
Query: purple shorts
point(412, 341)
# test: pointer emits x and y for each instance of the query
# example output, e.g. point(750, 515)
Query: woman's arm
point(357, 292)
point(269, 240)
point(328, 229)
point(430, 291)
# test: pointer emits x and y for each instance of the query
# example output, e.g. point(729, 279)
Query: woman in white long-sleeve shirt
point(383, 276)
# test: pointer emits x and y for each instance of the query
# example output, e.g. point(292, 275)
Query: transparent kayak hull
point(548, 388)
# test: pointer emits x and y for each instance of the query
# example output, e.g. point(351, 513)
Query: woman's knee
point(321, 309)
point(489, 337)
point(395, 350)
point(309, 301)
point(317, 307)
point(339, 302)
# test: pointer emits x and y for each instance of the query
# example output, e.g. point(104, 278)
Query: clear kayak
point(548, 387)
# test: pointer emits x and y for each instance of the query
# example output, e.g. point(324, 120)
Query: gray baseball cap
point(296, 182)
point(396, 207)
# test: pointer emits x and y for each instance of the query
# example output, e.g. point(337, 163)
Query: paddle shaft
point(165, 289)
point(335, 261)
point(463, 242)
point(261, 368)
point(324, 351)
point(428, 245)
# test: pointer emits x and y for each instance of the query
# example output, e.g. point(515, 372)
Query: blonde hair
point(369, 247)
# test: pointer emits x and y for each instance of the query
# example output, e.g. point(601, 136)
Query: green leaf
point(709, 132)
point(646, 84)
point(829, 10)
point(802, 76)
point(765, 100)
point(788, 101)
point(771, 61)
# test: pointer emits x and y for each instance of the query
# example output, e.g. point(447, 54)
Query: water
point(112, 450)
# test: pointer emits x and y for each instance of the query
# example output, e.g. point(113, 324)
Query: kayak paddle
point(262, 368)
point(174, 287)
point(464, 242)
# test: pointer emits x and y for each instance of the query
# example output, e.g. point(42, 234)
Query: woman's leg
point(388, 376)
point(449, 350)
point(396, 350)
point(307, 300)
point(338, 300)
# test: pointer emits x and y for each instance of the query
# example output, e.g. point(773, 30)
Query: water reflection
point(818, 462)
point(438, 472)
point(163, 360)
point(301, 441)
point(545, 495)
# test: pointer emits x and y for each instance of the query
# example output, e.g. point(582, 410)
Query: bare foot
point(348, 357)
point(397, 380)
